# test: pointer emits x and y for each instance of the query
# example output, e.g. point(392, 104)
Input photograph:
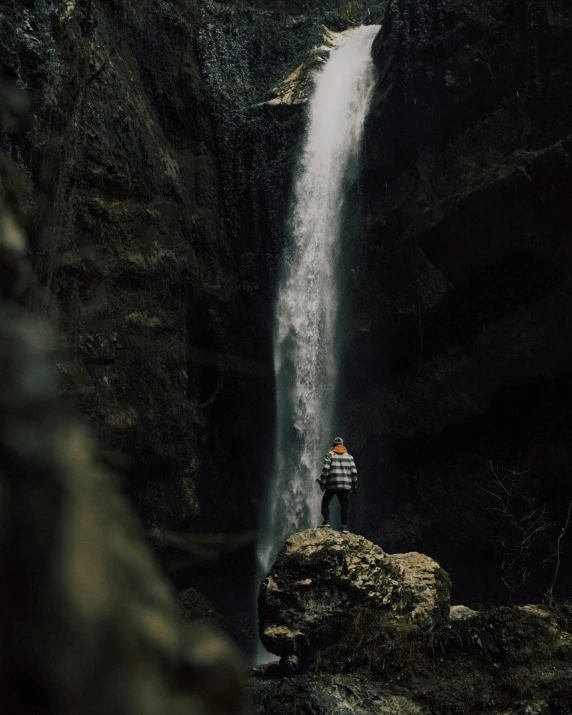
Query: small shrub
point(372, 643)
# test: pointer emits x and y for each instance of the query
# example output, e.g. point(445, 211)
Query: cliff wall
point(160, 190)
point(461, 349)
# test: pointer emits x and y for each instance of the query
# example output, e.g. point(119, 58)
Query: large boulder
point(324, 584)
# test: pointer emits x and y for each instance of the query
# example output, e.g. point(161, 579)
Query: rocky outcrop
point(324, 582)
point(461, 613)
point(297, 87)
point(362, 631)
point(506, 661)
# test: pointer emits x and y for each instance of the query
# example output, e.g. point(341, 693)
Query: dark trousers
point(344, 499)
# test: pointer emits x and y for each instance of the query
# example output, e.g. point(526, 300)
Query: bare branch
point(518, 521)
point(550, 590)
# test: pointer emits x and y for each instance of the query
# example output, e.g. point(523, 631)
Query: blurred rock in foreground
point(89, 625)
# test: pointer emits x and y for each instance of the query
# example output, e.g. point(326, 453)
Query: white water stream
point(305, 355)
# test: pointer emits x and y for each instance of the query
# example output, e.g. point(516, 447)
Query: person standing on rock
point(338, 478)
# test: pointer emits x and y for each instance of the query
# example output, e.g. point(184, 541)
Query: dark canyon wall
point(462, 303)
point(160, 191)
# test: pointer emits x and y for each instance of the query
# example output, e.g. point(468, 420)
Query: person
point(338, 478)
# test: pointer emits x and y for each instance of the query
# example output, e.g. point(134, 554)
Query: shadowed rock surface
point(160, 191)
point(458, 364)
point(325, 694)
point(362, 631)
point(322, 580)
point(88, 621)
point(505, 661)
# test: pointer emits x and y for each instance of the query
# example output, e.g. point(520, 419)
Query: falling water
point(305, 356)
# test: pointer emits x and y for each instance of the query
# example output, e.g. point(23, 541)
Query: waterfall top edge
point(335, 39)
point(296, 88)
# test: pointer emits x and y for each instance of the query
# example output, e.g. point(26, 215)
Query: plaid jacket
point(339, 471)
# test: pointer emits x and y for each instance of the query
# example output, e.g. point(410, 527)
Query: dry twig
point(550, 589)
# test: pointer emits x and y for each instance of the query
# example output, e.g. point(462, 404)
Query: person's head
point(338, 441)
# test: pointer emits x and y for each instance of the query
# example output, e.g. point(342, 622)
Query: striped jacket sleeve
point(354, 472)
point(325, 469)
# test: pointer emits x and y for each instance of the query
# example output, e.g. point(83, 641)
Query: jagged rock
point(322, 580)
point(297, 87)
point(461, 613)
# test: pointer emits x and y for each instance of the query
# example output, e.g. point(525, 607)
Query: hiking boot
point(344, 529)
point(326, 525)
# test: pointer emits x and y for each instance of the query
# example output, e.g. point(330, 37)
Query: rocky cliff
point(458, 369)
point(362, 631)
point(88, 621)
point(322, 583)
point(159, 189)
point(159, 185)
point(153, 186)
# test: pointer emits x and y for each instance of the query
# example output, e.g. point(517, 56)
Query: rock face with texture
point(88, 621)
point(326, 694)
point(160, 196)
point(322, 581)
point(160, 189)
point(506, 661)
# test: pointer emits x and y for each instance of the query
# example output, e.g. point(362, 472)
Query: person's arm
point(322, 481)
point(354, 476)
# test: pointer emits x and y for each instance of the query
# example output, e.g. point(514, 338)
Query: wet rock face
point(322, 579)
point(460, 350)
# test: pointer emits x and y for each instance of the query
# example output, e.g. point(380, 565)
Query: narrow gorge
point(229, 231)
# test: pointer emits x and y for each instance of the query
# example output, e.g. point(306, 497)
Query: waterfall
point(305, 355)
